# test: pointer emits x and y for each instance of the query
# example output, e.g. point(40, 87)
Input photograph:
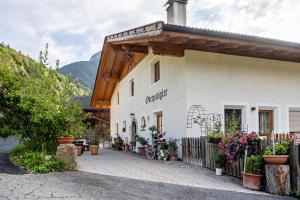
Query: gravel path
point(82, 185)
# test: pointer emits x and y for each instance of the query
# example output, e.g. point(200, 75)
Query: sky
point(75, 29)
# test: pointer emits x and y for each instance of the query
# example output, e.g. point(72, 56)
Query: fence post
point(295, 167)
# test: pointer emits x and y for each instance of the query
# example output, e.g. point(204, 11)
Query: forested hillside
point(27, 67)
point(83, 72)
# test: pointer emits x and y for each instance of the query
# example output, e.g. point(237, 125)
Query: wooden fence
point(199, 151)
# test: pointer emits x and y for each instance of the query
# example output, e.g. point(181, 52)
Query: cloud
point(75, 29)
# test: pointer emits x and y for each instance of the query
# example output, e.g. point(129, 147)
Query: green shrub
point(18, 150)
point(255, 164)
point(37, 162)
point(280, 149)
point(142, 141)
point(220, 160)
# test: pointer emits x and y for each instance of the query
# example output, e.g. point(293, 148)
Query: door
point(266, 124)
point(133, 130)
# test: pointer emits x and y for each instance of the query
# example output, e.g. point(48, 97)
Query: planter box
point(65, 140)
point(276, 160)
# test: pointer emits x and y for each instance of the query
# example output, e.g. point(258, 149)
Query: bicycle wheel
point(150, 153)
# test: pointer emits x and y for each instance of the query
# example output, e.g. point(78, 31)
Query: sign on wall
point(158, 96)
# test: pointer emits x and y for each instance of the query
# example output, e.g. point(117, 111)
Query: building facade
point(154, 75)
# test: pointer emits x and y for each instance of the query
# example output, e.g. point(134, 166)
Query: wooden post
point(278, 179)
point(295, 167)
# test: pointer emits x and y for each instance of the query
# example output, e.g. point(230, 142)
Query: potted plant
point(220, 161)
point(253, 173)
point(278, 155)
point(143, 142)
point(94, 147)
point(118, 143)
point(79, 150)
point(65, 138)
point(172, 148)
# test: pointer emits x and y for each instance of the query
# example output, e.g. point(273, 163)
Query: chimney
point(176, 12)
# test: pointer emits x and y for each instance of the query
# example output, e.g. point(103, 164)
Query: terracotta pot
point(141, 151)
point(276, 160)
point(94, 149)
point(79, 150)
point(252, 181)
point(173, 157)
point(65, 139)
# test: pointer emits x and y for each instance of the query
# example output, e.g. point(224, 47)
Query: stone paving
point(89, 186)
point(130, 165)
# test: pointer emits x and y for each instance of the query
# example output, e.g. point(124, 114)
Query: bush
point(220, 160)
point(18, 150)
point(38, 162)
point(280, 149)
point(254, 164)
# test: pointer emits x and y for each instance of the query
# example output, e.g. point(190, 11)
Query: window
point(124, 127)
point(159, 122)
point(132, 88)
point(265, 122)
point(118, 99)
point(233, 120)
point(117, 128)
point(156, 72)
point(143, 123)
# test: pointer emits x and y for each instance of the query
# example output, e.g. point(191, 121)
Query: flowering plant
point(233, 145)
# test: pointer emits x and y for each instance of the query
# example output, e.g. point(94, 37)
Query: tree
point(38, 106)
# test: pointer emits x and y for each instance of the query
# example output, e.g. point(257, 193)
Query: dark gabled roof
point(229, 35)
point(123, 51)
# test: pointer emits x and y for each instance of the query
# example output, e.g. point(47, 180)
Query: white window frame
point(245, 115)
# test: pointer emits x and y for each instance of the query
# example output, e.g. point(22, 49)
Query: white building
point(152, 75)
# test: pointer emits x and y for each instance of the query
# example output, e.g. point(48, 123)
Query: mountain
point(27, 67)
point(83, 72)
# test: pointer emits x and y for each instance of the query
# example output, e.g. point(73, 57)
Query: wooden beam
point(130, 48)
point(193, 42)
point(280, 52)
point(160, 48)
point(294, 54)
point(246, 47)
point(103, 103)
point(178, 40)
point(110, 77)
point(227, 46)
point(263, 50)
point(212, 43)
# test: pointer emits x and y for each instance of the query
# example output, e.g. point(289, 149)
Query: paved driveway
point(130, 165)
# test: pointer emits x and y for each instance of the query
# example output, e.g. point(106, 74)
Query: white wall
point(212, 80)
point(172, 106)
point(215, 80)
